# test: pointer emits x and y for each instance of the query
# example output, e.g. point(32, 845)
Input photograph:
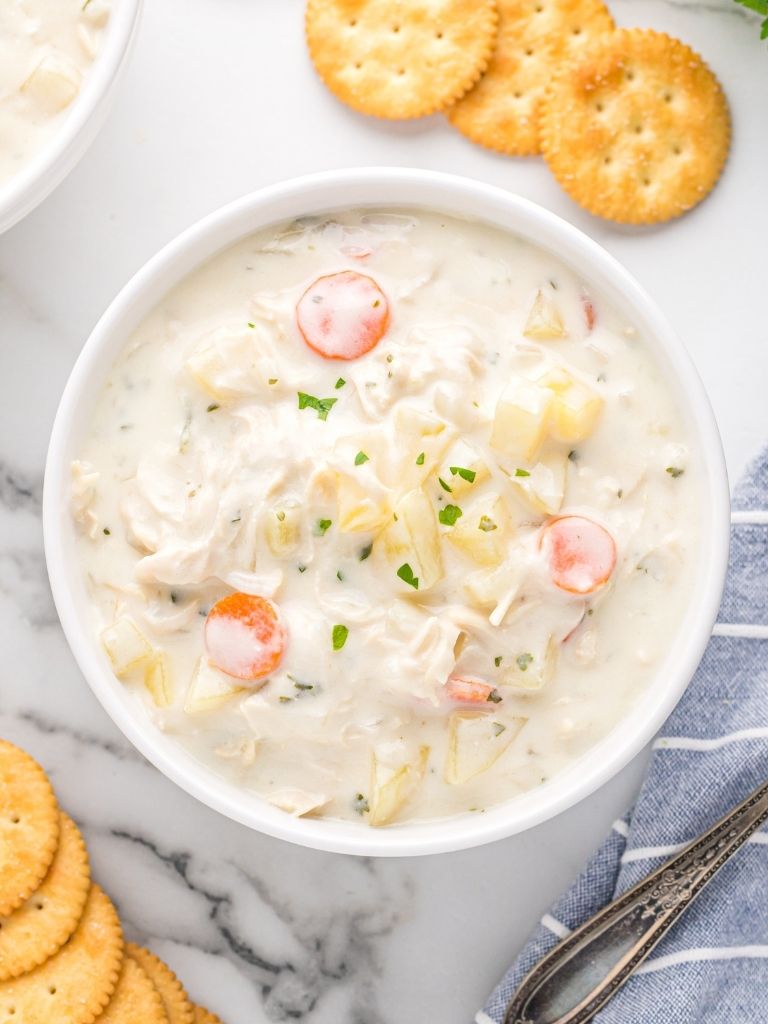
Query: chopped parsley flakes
point(523, 661)
point(322, 406)
point(497, 660)
point(486, 524)
point(449, 514)
point(360, 458)
point(321, 526)
point(360, 804)
point(494, 697)
point(498, 728)
point(213, 407)
point(465, 474)
point(339, 383)
point(420, 459)
point(339, 636)
point(675, 471)
point(444, 485)
point(405, 572)
point(365, 552)
point(522, 472)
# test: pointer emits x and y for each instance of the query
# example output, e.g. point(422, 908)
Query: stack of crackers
point(633, 124)
point(62, 955)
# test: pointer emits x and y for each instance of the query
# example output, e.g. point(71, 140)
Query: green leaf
point(420, 459)
point(760, 6)
point(675, 471)
point(523, 661)
point(365, 552)
point(360, 804)
point(444, 485)
point(486, 524)
point(213, 407)
point(321, 526)
point(522, 472)
point(339, 383)
point(497, 660)
point(449, 514)
point(405, 572)
point(321, 405)
point(494, 697)
point(360, 458)
point(465, 474)
point(339, 636)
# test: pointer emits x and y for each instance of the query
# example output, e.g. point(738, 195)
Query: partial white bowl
point(38, 178)
point(323, 193)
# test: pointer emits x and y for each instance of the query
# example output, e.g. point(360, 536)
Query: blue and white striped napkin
point(713, 965)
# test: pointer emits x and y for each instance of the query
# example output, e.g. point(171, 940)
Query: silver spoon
point(578, 977)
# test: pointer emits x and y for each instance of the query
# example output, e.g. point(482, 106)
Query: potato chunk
point(53, 84)
point(391, 787)
point(544, 322)
point(282, 528)
point(484, 530)
point(522, 418)
point(532, 668)
point(543, 489)
point(413, 537)
point(157, 680)
point(576, 407)
point(360, 511)
point(126, 646)
point(209, 689)
point(476, 741)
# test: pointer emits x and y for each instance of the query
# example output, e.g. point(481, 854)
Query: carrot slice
point(343, 316)
point(244, 636)
point(580, 552)
point(468, 690)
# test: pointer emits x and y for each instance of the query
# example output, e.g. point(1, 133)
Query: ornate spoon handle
point(588, 967)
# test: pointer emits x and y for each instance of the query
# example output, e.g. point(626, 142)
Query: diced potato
point(483, 531)
point(544, 489)
point(476, 741)
point(157, 680)
point(359, 512)
point(209, 689)
point(391, 787)
point(126, 646)
point(233, 362)
point(463, 456)
point(418, 434)
point(488, 588)
point(575, 409)
point(297, 802)
point(282, 529)
point(533, 668)
point(521, 419)
point(544, 322)
point(54, 83)
point(413, 537)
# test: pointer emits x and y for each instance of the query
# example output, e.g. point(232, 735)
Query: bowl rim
point(463, 197)
point(37, 178)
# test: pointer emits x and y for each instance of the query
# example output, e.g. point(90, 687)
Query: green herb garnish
point(339, 636)
point(280, 516)
point(301, 568)
point(498, 728)
point(322, 406)
point(360, 804)
point(522, 472)
point(213, 407)
point(760, 6)
point(339, 575)
point(285, 700)
point(405, 572)
point(573, 455)
point(444, 485)
point(675, 471)
point(272, 380)
point(449, 515)
point(322, 526)
point(420, 459)
point(465, 474)
point(339, 383)
point(251, 324)
point(365, 552)
point(486, 524)
point(523, 661)
point(494, 697)
point(360, 458)
point(497, 660)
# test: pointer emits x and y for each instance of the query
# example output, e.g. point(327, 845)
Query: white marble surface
point(220, 99)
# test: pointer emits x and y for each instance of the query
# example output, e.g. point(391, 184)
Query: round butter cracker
point(536, 37)
point(203, 1016)
point(29, 826)
point(135, 1000)
point(400, 58)
point(36, 930)
point(175, 999)
point(76, 984)
point(638, 129)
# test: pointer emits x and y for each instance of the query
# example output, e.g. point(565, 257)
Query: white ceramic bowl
point(320, 194)
point(38, 178)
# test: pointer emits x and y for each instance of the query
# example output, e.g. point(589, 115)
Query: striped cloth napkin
point(713, 965)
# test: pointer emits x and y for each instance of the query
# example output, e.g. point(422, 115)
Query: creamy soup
point(386, 516)
point(46, 50)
